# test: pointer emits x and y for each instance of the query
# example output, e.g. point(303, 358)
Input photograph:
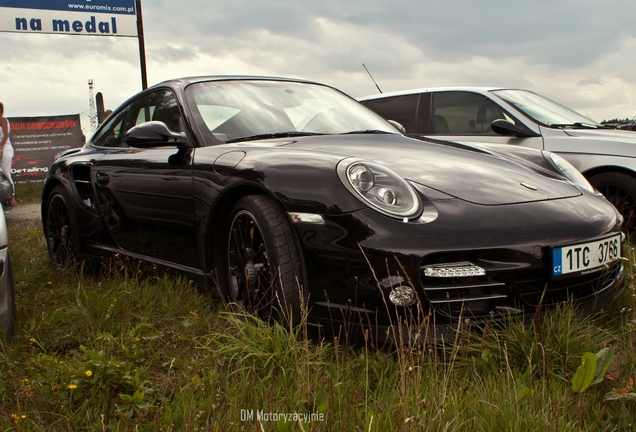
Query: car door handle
point(102, 179)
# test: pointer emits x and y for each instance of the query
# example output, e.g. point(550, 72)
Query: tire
point(60, 229)
point(264, 272)
point(619, 189)
point(8, 323)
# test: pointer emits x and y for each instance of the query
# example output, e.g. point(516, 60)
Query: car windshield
point(236, 110)
point(544, 111)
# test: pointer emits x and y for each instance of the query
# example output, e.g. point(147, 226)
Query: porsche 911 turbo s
point(288, 197)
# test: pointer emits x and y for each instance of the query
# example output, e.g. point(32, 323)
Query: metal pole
point(142, 48)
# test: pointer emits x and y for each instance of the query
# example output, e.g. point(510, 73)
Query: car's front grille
point(515, 282)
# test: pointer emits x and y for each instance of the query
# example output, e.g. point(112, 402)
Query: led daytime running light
point(454, 270)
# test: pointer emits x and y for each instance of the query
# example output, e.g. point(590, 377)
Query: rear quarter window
point(402, 109)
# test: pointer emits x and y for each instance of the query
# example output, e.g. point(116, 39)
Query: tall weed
point(132, 351)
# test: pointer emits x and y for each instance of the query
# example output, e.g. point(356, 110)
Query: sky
point(580, 53)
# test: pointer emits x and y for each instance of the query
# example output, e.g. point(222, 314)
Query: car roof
point(477, 89)
point(185, 81)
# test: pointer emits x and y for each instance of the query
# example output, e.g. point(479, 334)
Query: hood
point(612, 142)
point(464, 172)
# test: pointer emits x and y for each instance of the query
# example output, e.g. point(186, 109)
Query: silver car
point(6, 191)
point(7, 287)
point(479, 115)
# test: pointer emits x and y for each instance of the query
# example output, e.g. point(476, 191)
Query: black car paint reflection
point(180, 196)
point(146, 203)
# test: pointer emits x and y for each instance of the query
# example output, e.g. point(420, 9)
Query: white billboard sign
point(78, 17)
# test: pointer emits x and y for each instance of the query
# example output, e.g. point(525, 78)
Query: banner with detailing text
point(37, 140)
point(79, 17)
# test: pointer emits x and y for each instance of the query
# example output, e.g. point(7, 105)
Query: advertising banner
point(80, 17)
point(36, 141)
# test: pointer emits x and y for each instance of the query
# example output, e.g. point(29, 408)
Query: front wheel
point(263, 261)
point(60, 229)
point(620, 190)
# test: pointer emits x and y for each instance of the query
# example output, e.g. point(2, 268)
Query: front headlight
point(568, 170)
point(380, 188)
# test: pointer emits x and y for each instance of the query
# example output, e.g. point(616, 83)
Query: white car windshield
point(545, 111)
point(259, 109)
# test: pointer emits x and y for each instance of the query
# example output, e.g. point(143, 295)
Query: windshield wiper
point(367, 131)
point(576, 125)
point(272, 135)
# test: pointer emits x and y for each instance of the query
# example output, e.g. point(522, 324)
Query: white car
point(7, 286)
point(478, 115)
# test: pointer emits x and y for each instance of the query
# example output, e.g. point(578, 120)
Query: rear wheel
point(60, 229)
point(620, 190)
point(263, 261)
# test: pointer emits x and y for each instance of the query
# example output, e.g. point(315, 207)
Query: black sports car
point(286, 195)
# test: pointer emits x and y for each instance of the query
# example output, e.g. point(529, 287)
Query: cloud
point(591, 80)
point(576, 52)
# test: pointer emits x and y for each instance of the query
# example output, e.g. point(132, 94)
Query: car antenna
point(376, 84)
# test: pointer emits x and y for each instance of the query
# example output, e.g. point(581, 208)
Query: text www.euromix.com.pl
point(101, 8)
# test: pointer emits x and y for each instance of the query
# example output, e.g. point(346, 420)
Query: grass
point(138, 352)
point(28, 192)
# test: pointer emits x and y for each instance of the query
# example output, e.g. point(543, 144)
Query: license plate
point(585, 257)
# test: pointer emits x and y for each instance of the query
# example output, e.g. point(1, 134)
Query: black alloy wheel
point(264, 272)
point(620, 190)
point(60, 229)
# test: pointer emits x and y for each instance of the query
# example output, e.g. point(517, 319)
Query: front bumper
point(356, 261)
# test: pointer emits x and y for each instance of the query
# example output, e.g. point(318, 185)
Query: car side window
point(465, 113)
point(402, 109)
point(112, 133)
point(161, 106)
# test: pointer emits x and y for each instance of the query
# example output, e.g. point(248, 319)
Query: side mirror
point(507, 128)
point(154, 134)
point(398, 126)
